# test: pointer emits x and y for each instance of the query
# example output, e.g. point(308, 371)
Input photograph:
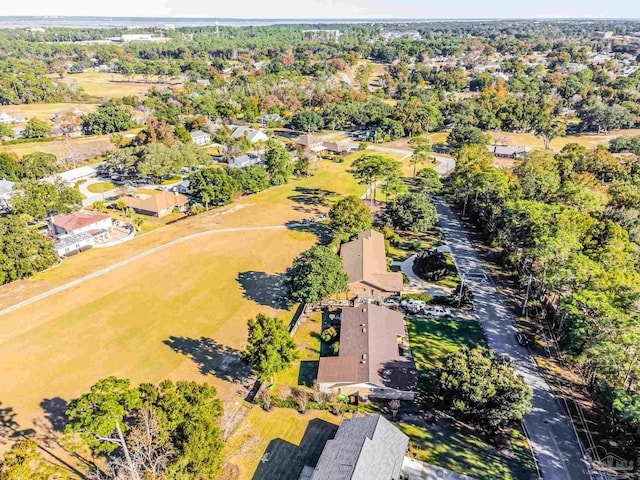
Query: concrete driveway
point(554, 441)
point(91, 197)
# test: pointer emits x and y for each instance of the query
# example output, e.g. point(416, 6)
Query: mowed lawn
point(46, 111)
point(455, 446)
point(111, 85)
point(278, 444)
point(178, 313)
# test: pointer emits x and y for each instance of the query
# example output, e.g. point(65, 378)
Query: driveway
point(91, 197)
point(443, 167)
point(553, 438)
point(418, 285)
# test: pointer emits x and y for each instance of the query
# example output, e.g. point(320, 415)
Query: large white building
point(78, 231)
point(6, 192)
point(71, 177)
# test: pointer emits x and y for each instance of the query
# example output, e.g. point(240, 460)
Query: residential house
point(71, 177)
point(252, 134)
point(310, 142)
point(374, 360)
point(78, 231)
point(62, 114)
point(365, 263)
point(6, 118)
point(508, 151)
point(367, 447)
point(340, 147)
point(250, 158)
point(6, 192)
point(270, 118)
point(158, 205)
point(200, 138)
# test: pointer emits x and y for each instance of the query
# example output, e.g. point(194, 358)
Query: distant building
point(508, 151)
point(6, 118)
point(200, 138)
point(71, 177)
point(389, 35)
point(158, 205)
point(374, 360)
point(252, 134)
point(6, 193)
point(141, 37)
point(327, 35)
point(340, 147)
point(246, 160)
point(365, 263)
point(78, 231)
point(270, 118)
point(365, 447)
point(310, 142)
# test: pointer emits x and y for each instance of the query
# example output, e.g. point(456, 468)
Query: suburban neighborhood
point(305, 250)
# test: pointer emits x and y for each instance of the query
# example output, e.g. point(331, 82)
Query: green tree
point(539, 176)
point(411, 212)
point(111, 117)
point(36, 128)
point(350, 216)
point(307, 121)
point(278, 163)
point(212, 186)
point(40, 199)
point(24, 462)
point(481, 389)
point(23, 250)
point(421, 149)
point(429, 180)
point(251, 179)
point(369, 169)
point(270, 348)
point(464, 135)
point(9, 167)
point(38, 165)
point(6, 131)
point(316, 274)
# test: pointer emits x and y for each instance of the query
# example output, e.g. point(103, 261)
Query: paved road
point(151, 251)
point(553, 438)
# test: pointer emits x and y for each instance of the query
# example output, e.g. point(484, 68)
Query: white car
point(437, 311)
point(413, 306)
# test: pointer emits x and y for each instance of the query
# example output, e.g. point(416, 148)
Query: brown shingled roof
point(369, 351)
point(156, 203)
point(365, 260)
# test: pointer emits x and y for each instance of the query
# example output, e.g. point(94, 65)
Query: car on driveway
point(437, 311)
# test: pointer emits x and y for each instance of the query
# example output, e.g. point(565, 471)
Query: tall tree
point(270, 348)
point(316, 274)
point(350, 216)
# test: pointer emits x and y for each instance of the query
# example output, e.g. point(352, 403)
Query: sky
point(323, 9)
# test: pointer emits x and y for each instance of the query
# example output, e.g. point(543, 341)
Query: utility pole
point(461, 290)
point(526, 297)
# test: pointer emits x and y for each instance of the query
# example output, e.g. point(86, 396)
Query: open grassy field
point(111, 85)
point(178, 313)
point(79, 148)
point(46, 111)
point(278, 444)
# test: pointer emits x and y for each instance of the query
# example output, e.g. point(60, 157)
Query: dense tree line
point(570, 221)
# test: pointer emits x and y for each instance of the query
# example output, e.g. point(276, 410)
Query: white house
point(6, 118)
point(200, 138)
point(246, 160)
point(6, 192)
point(78, 231)
point(252, 134)
point(71, 177)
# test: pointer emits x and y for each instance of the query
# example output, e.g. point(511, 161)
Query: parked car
point(437, 311)
point(392, 302)
point(522, 339)
point(413, 306)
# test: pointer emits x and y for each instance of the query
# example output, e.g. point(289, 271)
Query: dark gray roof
point(364, 448)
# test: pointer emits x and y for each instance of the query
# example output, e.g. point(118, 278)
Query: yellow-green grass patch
point(101, 187)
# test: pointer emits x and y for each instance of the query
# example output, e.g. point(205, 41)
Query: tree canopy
point(316, 274)
point(270, 348)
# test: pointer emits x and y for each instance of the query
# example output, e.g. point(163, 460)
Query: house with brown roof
point(365, 263)
point(374, 359)
point(310, 142)
point(157, 205)
point(340, 147)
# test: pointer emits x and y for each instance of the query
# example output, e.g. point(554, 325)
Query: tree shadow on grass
point(55, 412)
point(318, 229)
point(213, 358)
point(309, 199)
point(308, 372)
point(284, 460)
point(265, 289)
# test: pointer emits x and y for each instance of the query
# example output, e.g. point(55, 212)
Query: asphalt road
point(553, 438)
